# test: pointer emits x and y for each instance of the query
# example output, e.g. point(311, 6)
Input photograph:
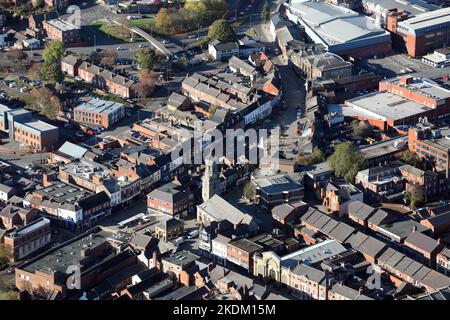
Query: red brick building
point(58, 29)
point(29, 239)
point(98, 112)
point(422, 33)
point(106, 80)
point(241, 253)
point(169, 199)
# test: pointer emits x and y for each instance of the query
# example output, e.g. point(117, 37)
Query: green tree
point(5, 256)
point(410, 158)
point(51, 67)
point(198, 6)
point(53, 51)
point(316, 157)
point(206, 9)
point(145, 58)
point(221, 30)
point(266, 12)
point(415, 196)
point(346, 161)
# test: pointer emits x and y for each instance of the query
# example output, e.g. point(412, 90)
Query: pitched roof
point(422, 241)
point(221, 209)
point(360, 210)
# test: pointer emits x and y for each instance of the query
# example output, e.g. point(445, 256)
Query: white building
point(219, 249)
point(440, 58)
point(5, 192)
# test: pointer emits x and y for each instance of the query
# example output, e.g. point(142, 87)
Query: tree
point(362, 129)
point(45, 102)
point(145, 58)
point(53, 51)
point(249, 191)
point(206, 9)
point(266, 12)
point(182, 63)
point(346, 161)
point(410, 158)
point(415, 196)
point(5, 256)
point(314, 158)
point(163, 21)
point(109, 58)
point(212, 110)
point(38, 3)
point(6, 293)
point(221, 30)
point(16, 55)
point(51, 67)
point(123, 30)
point(33, 71)
point(146, 85)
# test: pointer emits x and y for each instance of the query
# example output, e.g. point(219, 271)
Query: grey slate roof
point(360, 210)
point(422, 242)
point(72, 150)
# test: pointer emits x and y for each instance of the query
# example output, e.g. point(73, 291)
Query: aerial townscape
point(225, 150)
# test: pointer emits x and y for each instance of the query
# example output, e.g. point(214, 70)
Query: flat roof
point(426, 22)
point(69, 253)
point(334, 24)
point(425, 87)
point(100, 106)
point(313, 254)
point(384, 105)
point(41, 222)
point(414, 7)
point(62, 25)
point(382, 148)
point(36, 125)
point(277, 184)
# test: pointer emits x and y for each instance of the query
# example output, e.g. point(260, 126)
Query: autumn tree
point(415, 196)
point(16, 55)
point(6, 293)
point(108, 58)
point(307, 160)
point(163, 21)
point(206, 9)
point(146, 85)
point(362, 129)
point(33, 71)
point(45, 102)
point(123, 31)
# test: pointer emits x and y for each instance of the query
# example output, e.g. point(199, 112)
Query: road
point(294, 97)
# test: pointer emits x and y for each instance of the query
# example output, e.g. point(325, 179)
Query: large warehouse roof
point(334, 24)
point(426, 22)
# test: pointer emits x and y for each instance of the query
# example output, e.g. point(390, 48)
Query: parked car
point(192, 234)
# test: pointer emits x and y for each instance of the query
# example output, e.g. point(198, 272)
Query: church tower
point(211, 180)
